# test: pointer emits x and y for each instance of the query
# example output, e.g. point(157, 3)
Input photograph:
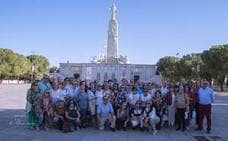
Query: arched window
point(98, 76)
point(113, 76)
point(106, 76)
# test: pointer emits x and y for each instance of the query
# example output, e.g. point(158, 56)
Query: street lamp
point(33, 66)
point(33, 71)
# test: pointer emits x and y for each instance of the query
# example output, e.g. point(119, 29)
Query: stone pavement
point(12, 103)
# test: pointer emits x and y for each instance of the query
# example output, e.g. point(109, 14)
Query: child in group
point(44, 111)
point(47, 109)
point(72, 116)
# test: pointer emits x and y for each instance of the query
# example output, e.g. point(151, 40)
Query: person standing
point(82, 100)
point(182, 105)
point(159, 104)
point(44, 84)
point(133, 97)
point(145, 97)
point(192, 102)
point(170, 101)
point(206, 98)
point(99, 95)
point(164, 89)
point(92, 102)
point(55, 93)
point(32, 95)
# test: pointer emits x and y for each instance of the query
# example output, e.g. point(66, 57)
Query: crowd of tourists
point(71, 104)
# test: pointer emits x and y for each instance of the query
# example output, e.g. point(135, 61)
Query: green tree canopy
point(167, 67)
point(210, 64)
point(15, 66)
point(216, 63)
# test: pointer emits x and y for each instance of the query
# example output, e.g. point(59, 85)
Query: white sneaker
point(101, 128)
point(155, 132)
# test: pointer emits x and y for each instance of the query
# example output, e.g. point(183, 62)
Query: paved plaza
point(12, 114)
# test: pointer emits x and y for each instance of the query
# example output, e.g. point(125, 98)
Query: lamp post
point(33, 72)
point(33, 67)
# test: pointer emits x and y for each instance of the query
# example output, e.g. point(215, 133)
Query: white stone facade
point(102, 72)
point(112, 65)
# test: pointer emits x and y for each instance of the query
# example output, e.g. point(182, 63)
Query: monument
point(111, 56)
point(109, 64)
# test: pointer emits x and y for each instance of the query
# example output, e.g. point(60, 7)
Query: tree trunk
point(221, 87)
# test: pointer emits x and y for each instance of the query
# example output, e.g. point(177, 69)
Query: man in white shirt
point(145, 97)
point(164, 90)
point(134, 97)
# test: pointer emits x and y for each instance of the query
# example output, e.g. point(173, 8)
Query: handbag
point(28, 107)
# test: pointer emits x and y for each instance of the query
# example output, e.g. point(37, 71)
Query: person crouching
point(123, 117)
point(59, 119)
point(72, 116)
point(105, 114)
point(137, 115)
point(150, 117)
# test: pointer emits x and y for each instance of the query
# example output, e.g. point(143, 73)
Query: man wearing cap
point(206, 98)
point(105, 114)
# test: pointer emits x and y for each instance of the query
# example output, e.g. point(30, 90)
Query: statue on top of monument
point(111, 56)
point(113, 9)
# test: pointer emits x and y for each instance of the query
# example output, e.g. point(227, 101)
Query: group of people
point(72, 104)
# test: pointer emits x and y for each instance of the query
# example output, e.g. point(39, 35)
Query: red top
point(192, 98)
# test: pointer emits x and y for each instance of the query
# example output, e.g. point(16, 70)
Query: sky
point(76, 30)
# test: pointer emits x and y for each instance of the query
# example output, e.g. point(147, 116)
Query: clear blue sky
point(76, 30)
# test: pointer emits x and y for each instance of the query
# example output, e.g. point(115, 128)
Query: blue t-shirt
point(104, 110)
point(42, 86)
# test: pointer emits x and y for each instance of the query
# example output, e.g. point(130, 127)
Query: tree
point(215, 62)
point(187, 66)
point(21, 67)
point(16, 66)
point(40, 63)
point(13, 65)
point(167, 67)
